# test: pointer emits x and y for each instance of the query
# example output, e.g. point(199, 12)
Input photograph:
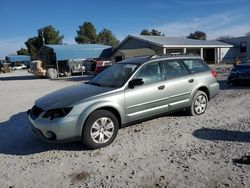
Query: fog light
point(50, 135)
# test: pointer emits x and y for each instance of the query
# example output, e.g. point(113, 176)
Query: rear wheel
point(100, 129)
point(199, 103)
point(52, 73)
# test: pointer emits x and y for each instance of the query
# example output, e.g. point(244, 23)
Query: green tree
point(107, 37)
point(22, 51)
point(153, 32)
point(198, 35)
point(33, 45)
point(51, 35)
point(145, 32)
point(156, 32)
point(86, 34)
point(48, 35)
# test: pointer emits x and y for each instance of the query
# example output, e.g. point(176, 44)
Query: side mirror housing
point(135, 82)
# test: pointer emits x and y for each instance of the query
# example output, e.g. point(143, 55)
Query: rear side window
point(173, 69)
point(195, 65)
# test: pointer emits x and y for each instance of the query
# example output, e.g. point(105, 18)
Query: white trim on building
point(218, 49)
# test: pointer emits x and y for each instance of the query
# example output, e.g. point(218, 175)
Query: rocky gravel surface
point(174, 150)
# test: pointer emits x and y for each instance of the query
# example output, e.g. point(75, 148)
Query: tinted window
point(150, 73)
point(196, 65)
point(173, 69)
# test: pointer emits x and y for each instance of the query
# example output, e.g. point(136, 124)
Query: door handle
point(161, 87)
point(191, 80)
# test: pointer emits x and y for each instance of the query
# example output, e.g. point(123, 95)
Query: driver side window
point(150, 73)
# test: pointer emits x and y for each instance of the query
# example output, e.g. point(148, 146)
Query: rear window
point(196, 65)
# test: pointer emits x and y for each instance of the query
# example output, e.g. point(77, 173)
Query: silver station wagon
point(125, 92)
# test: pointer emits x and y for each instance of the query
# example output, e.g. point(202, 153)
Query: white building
point(211, 51)
point(241, 48)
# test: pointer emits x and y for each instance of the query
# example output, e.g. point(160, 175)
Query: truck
point(67, 68)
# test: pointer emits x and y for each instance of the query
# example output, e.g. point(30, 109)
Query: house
point(241, 48)
point(211, 51)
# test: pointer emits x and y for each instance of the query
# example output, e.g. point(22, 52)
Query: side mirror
point(135, 82)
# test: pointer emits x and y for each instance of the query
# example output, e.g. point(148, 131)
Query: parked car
point(125, 92)
point(240, 73)
point(19, 67)
point(101, 65)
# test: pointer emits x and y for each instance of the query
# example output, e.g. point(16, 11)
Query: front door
point(167, 86)
point(147, 99)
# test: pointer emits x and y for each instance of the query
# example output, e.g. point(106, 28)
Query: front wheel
point(198, 104)
point(100, 129)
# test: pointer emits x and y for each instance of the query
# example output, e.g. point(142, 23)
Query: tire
point(51, 73)
point(100, 129)
point(199, 103)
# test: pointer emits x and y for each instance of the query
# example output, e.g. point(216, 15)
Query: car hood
point(69, 95)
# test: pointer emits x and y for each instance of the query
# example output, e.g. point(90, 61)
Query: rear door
point(179, 84)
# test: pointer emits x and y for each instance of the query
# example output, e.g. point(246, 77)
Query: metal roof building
point(177, 42)
point(241, 48)
point(212, 51)
point(75, 51)
point(17, 58)
point(61, 58)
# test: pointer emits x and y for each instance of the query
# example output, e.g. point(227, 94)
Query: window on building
point(243, 47)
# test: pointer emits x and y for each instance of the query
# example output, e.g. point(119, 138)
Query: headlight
point(56, 113)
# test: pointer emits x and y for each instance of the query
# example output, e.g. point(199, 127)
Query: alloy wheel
point(200, 104)
point(102, 130)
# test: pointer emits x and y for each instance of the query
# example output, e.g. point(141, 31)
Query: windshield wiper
point(110, 85)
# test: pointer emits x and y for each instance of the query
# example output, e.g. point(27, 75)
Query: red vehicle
point(101, 65)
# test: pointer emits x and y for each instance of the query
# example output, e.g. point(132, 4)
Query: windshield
point(115, 75)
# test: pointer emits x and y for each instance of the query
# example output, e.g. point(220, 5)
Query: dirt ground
point(171, 151)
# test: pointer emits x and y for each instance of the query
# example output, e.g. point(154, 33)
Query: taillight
point(214, 73)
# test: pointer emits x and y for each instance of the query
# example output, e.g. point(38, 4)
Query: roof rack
point(171, 54)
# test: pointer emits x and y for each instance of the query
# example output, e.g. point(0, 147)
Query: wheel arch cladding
point(110, 109)
point(205, 90)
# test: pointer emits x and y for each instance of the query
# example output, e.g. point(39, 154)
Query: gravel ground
point(171, 151)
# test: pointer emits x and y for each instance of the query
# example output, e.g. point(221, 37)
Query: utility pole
point(40, 33)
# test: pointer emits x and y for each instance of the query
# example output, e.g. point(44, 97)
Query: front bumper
point(57, 130)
